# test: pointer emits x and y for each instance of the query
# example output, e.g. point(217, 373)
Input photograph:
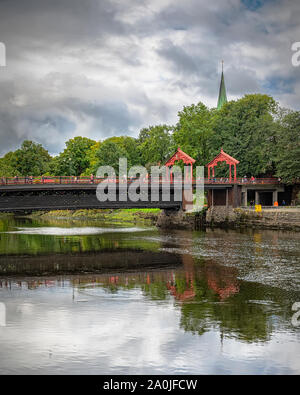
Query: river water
point(93, 298)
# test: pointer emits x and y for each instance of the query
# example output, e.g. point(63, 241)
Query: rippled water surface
point(87, 297)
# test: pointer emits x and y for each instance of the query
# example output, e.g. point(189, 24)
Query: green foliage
point(108, 154)
point(110, 150)
point(155, 144)
point(129, 145)
point(287, 156)
point(92, 159)
point(193, 131)
point(246, 130)
point(6, 166)
point(30, 159)
point(74, 160)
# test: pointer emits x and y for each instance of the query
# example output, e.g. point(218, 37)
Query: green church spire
point(222, 92)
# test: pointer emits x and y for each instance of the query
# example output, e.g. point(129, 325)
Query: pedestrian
point(92, 178)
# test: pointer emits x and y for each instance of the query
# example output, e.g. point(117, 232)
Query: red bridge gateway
point(180, 156)
point(232, 191)
point(241, 191)
point(223, 157)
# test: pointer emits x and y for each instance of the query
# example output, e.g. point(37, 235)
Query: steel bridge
point(28, 194)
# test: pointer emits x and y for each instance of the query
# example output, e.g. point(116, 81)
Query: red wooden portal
point(223, 157)
point(187, 160)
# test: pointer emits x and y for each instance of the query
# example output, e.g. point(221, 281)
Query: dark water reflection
point(184, 302)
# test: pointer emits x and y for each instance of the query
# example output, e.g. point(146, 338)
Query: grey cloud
point(110, 67)
point(178, 57)
point(241, 80)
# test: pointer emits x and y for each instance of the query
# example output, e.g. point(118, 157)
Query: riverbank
point(133, 216)
point(287, 218)
point(283, 218)
point(157, 217)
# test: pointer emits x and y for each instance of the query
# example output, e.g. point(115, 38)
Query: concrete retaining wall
point(281, 218)
point(222, 216)
point(172, 219)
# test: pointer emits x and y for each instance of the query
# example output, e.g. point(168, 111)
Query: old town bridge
point(73, 193)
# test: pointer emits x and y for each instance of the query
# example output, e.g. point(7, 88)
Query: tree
point(108, 154)
point(74, 160)
point(287, 158)
point(30, 159)
point(6, 166)
point(155, 144)
point(246, 129)
point(129, 145)
point(193, 131)
point(92, 158)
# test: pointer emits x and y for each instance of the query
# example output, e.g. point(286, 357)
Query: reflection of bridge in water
point(209, 296)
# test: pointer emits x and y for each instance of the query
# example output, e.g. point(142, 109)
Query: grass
point(124, 215)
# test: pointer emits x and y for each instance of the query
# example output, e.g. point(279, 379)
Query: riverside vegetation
point(254, 129)
point(133, 216)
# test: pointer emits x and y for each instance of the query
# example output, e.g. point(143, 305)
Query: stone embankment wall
point(171, 219)
point(221, 216)
point(281, 218)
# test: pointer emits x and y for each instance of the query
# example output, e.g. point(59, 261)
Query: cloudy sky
point(101, 68)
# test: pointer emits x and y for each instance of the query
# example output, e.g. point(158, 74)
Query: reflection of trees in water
point(235, 316)
point(34, 244)
point(208, 295)
point(239, 309)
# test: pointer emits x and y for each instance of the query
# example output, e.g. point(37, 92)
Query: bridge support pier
point(175, 219)
point(256, 197)
point(236, 196)
point(245, 198)
point(275, 196)
point(187, 199)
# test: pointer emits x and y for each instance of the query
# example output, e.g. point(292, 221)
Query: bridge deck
point(80, 181)
point(49, 194)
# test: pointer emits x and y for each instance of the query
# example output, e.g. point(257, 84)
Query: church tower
point(222, 92)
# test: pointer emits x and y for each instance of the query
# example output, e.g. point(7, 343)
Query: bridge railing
point(89, 180)
point(242, 180)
